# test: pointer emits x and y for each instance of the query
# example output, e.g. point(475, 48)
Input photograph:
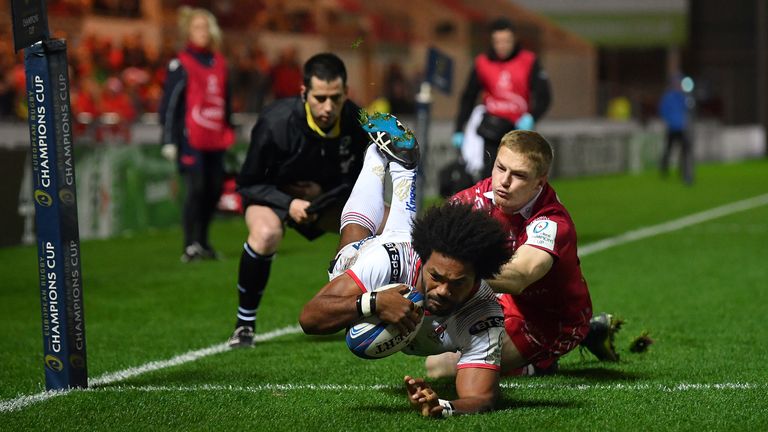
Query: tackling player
point(546, 302)
point(445, 255)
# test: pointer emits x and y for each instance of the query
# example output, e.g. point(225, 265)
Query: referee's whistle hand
point(298, 211)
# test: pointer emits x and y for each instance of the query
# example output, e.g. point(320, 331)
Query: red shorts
point(541, 339)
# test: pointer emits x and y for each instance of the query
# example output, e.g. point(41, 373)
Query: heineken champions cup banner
point(58, 242)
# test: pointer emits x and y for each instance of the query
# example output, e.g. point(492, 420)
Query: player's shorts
point(542, 339)
point(328, 221)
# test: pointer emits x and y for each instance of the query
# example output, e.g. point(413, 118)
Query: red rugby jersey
point(543, 223)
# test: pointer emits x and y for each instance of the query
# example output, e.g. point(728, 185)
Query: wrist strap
point(359, 305)
point(364, 301)
point(448, 409)
point(373, 302)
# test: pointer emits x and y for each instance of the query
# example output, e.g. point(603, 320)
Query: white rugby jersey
point(474, 329)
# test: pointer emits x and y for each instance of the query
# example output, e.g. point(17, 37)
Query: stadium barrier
point(123, 188)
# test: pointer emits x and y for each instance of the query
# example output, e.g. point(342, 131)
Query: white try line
point(666, 388)
point(109, 378)
point(674, 225)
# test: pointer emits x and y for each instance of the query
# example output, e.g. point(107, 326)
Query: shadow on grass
point(382, 409)
point(512, 404)
point(340, 336)
point(600, 374)
point(446, 391)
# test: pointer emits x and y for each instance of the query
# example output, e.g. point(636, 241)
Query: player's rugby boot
point(395, 141)
point(599, 340)
point(193, 252)
point(242, 337)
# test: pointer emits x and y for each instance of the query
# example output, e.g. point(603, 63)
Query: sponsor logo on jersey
point(542, 233)
point(405, 190)
point(485, 324)
point(394, 262)
point(439, 333)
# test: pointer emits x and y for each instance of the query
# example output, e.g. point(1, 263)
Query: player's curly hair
point(462, 233)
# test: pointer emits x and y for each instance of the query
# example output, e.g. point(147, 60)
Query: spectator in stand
point(196, 116)
point(84, 96)
point(286, 74)
point(398, 91)
point(117, 110)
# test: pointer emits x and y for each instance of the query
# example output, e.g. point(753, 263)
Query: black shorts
point(327, 221)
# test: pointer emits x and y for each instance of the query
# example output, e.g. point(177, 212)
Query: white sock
point(365, 205)
point(403, 207)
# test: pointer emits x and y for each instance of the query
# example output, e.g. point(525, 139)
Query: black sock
point(252, 279)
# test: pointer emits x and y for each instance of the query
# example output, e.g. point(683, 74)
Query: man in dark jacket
point(305, 154)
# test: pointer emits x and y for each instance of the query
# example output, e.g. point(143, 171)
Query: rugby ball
point(370, 338)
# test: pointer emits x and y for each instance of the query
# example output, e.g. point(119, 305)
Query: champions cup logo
point(43, 198)
point(77, 361)
point(54, 363)
point(541, 226)
point(66, 196)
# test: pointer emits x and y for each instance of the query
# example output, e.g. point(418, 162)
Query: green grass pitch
point(700, 290)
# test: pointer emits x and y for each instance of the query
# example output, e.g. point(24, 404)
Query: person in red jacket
point(286, 75)
point(195, 113)
point(514, 87)
point(542, 291)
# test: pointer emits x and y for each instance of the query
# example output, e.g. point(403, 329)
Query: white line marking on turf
point(24, 401)
point(674, 225)
point(679, 387)
point(184, 358)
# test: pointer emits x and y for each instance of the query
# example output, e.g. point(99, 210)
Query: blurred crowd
point(113, 83)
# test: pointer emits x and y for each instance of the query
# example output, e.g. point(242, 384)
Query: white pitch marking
point(26, 400)
point(674, 225)
point(667, 388)
point(184, 358)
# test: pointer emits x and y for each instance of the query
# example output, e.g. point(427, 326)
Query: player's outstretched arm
point(335, 307)
point(477, 388)
point(421, 397)
point(527, 265)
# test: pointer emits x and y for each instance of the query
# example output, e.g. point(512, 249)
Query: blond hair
point(531, 145)
point(186, 14)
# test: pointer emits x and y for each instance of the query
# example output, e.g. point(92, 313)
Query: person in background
point(306, 152)
point(285, 75)
point(515, 88)
point(675, 108)
point(117, 111)
point(195, 112)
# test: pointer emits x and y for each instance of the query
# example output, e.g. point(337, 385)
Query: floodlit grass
point(700, 291)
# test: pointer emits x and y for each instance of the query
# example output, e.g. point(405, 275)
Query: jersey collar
point(527, 210)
